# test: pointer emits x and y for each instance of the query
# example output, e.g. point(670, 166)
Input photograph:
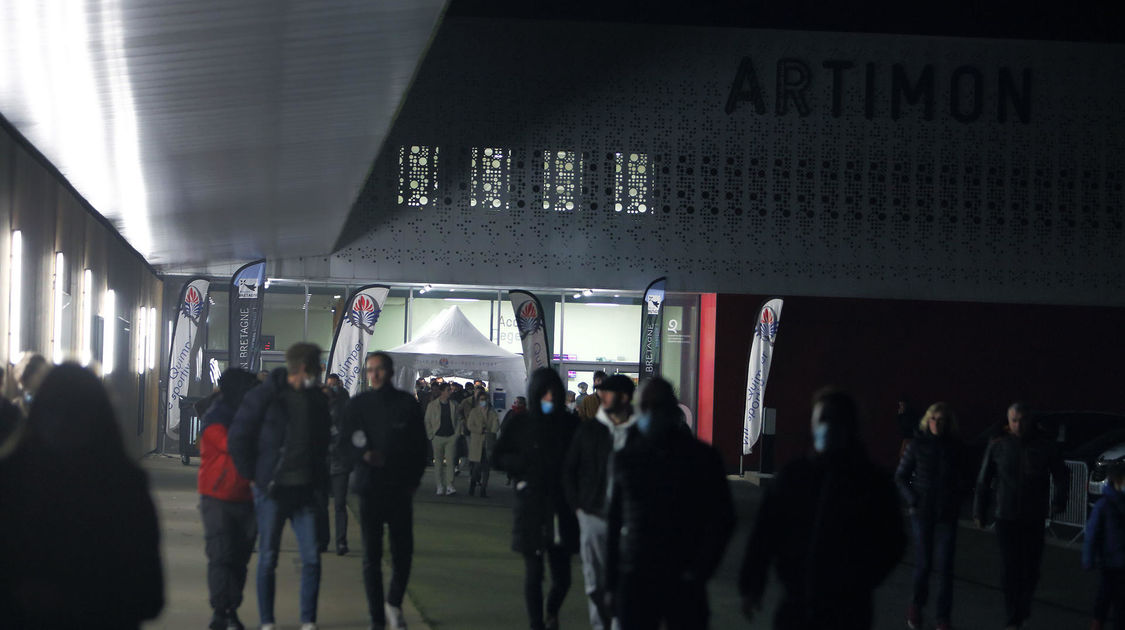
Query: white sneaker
point(450, 491)
point(440, 491)
point(395, 618)
point(268, 626)
point(308, 626)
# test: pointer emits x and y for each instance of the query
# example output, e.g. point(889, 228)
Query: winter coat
point(483, 425)
point(257, 434)
point(464, 406)
point(586, 470)
point(929, 477)
point(339, 462)
point(433, 418)
point(1104, 547)
point(1023, 469)
point(831, 526)
point(670, 514)
point(387, 421)
point(218, 476)
point(532, 449)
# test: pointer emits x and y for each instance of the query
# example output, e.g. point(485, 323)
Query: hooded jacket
point(532, 449)
point(586, 469)
point(1104, 547)
point(1023, 468)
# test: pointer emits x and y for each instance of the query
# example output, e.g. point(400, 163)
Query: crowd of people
point(621, 483)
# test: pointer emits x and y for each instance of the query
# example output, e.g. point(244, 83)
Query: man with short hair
point(279, 440)
point(588, 410)
point(585, 478)
point(583, 391)
point(442, 429)
point(388, 444)
point(1021, 462)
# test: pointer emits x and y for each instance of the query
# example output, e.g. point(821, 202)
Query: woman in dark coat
point(532, 448)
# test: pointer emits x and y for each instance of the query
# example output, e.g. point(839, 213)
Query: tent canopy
point(449, 345)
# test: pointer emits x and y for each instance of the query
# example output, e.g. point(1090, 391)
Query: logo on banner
point(247, 288)
point(443, 362)
point(527, 320)
point(193, 303)
point(363, 312)
point(767, 326)
point(653, 303)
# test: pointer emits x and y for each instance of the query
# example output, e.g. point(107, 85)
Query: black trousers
point(1111, 595)
point(1021, 549)
point(394, 507)
point(479, 473)
point(229, 531)
point(559, 560)
point(646, 600)
point(340, 505)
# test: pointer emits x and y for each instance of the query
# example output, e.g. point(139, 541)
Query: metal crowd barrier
point(1076, 504)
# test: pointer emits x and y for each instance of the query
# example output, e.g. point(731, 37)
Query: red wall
point(978, 357)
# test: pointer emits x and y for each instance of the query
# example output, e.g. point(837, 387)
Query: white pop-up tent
point(449, 345)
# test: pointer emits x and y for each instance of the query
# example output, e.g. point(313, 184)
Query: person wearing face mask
point(279, 440)
point(1104, 549)
point(670, 518)
point(532, 448)
point(585, 479)
point(339, 467)
point(483, 425)
point(831, 526)
point(930, 481)
point(571, 401)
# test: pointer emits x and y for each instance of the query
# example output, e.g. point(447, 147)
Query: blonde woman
point(932, 485)
point(483, 423)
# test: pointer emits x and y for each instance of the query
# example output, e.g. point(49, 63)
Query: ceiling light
point(15, 297)
point(268, 282)
point(109, 339)
point(578, 296)
point(587, 293)
point(336, 297)
point(86, 313)
point(57, 326)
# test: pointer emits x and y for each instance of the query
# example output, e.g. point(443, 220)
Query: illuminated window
point(417, 175)
point(631, 183)
point(491, 178)
point(562, 180)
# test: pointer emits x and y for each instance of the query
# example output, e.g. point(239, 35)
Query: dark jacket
point(532, 448)
point(1023, 469)
point(671, 514)
point(929, 477)
point(258, 431)
point(339, 460)
point(1104, 547)
point(831, 526)
point(586, 469)
point(387, 421)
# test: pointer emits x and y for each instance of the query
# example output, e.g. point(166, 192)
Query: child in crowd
point(1105, 549)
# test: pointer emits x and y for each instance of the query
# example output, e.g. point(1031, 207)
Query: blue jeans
point(934, 546)
point(300, 510)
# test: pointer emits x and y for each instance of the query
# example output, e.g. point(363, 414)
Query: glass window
point(596, 331)
point(390, 330)
point(218, 318)
point(417, 175)
point(562, 180)
point(631, 183)
point(478, 311)
point(491, 173)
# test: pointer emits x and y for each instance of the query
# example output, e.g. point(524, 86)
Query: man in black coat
point(831, 526)
point(670, 518)
point(1021, 461)
point(532, 448)
point(279, 440)
point(386, 438)
point(339, 466)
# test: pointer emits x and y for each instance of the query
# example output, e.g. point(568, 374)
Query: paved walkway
point(465, 576)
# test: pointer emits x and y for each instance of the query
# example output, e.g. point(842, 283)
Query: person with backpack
point(1104, 549)
point(225, 503)
point(279, 440)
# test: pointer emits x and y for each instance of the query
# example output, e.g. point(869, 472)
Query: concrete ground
point(465, 576)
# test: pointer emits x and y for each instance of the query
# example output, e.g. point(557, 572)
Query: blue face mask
point(644, 423)
point(547, 406)
point(820, 437)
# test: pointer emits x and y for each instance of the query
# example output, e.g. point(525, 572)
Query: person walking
point(483, 425)
point(1104, 549)
point(830, 524)
point(670, 518)
point(590, 404)
point(1022, 462)
point(442, 429)
point(532, 448)
point(387, 441)
point(583, 391)
point(279, 440)
point(339, 466)
point(225, 503)
point(930, 481)
point(586, 479)
point(79, 536)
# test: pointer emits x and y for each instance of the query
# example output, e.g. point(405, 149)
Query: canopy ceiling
point(210, 130)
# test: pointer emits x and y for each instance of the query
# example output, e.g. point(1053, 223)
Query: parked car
point(1099, 454)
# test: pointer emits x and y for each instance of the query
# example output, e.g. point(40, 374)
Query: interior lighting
point(152, 338)
point(15, 297)
point(86, 315)
point(139, 327)
point(336, 297)
point(268, 282)
point(109, 338)
point(587, 293)
point(577, 296)
point(57, 323)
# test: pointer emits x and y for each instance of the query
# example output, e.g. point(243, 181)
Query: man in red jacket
point(226, 503)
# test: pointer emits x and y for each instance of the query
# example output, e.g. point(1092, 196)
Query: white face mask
point(309, 382)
